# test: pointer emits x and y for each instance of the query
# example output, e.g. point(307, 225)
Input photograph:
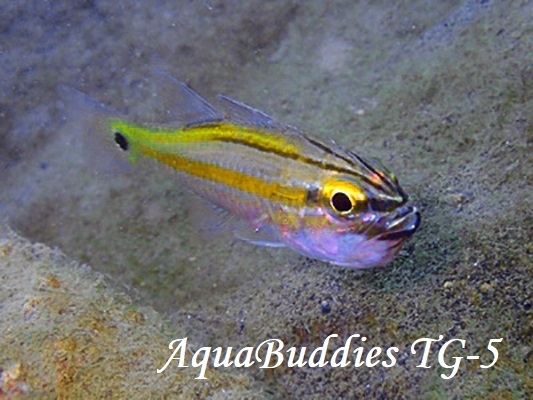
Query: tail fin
point(87, 133)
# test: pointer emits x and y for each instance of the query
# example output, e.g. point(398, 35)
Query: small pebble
point(325, 307)
point(458, 197)
point(485, 287)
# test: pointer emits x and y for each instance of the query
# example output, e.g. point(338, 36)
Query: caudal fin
point(86, 131)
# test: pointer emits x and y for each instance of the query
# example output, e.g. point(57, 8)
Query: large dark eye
point(121, 141)
point(341, 202)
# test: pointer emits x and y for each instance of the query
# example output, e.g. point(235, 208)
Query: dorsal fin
point(179, 104)
point(243, 114)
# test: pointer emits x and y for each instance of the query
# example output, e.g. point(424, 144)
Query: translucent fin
point(263, 243)
point(86, 131)
point(211, 221)
point(262, 236)
point(245, 115)
point(178, 104)
point(82, 106)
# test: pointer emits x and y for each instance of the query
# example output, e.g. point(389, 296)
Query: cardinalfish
point(280, 186)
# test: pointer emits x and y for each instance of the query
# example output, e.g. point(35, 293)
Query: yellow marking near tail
point(223, 132)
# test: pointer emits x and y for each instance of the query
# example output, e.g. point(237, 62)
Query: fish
point(276, 185)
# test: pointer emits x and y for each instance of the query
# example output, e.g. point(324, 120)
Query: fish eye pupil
point(341, 202)
point(121, 141)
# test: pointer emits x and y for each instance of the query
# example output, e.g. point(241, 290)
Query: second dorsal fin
point(243, 114)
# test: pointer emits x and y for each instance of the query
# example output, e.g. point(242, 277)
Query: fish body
point(284, 187)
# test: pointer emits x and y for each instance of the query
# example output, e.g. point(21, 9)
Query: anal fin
point(211, 221)
point(262, 236)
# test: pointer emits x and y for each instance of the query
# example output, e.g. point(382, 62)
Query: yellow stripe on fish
point(237, 180)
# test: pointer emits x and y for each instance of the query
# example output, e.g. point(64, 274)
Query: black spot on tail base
point(121, 141)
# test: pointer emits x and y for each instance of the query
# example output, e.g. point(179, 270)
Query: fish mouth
point(401, 224)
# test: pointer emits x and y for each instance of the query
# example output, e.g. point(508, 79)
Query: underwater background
point(442, 92)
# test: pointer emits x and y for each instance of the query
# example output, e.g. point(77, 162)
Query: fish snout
point(401, 224)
